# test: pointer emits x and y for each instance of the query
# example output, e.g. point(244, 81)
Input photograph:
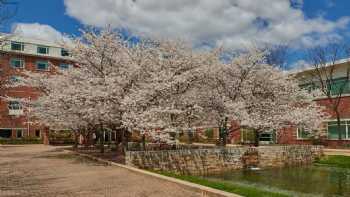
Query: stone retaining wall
point(217, 160)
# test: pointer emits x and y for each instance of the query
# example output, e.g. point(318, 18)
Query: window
point(15, 79)
point(43, 50)
point(247, 135)
point(14, 105)
point(309, 87)
point(340, 85)
point(42, 65)
point(17, 46)
point(19, 133)
point(15, 108)
point(266, 137)
point(17, 63)
point(302, 133)
point(5, 133)
point(64, 52)
point(64, 66)
point(37, 133)
point(333, 132)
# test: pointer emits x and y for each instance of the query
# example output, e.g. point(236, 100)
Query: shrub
point(27, 140)
point(61, 137)
point(209, 133)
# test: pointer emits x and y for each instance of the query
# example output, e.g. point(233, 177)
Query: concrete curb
point(203, 190)
point(344, 152)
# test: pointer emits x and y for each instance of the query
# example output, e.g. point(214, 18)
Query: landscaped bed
point(21, 141)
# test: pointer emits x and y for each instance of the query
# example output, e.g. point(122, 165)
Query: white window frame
point(63, 50)
point(17, 59)
point(14, 42)
point(347, 130)
point(42, 61)
point(39, 133)
point(20, 105)
point(62, 68)
point(22, 134)
point(300, 138)
point(46, 47)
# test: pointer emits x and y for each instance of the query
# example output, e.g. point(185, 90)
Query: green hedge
point(22, 141)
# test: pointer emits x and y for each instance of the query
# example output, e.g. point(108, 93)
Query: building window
point(14, 105)
point(64, 66)
point(42, 65)
point(5, 133)
point(247, 135)
point(19, 133)
point(64, 52)
point(302, 133)
point(309, 87)
point(17, 46)
point(339, 85)
point(37, 133)
point(15, 79)
point(266, 137)
point(43, 50)
point(17, 63)
point(333, 132)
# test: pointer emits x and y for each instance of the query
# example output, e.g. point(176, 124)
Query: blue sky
point(68, 16)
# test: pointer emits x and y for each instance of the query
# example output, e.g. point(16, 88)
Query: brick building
point(19, 54)
point(293, 135)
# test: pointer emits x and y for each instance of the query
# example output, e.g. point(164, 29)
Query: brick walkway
point(38, 171)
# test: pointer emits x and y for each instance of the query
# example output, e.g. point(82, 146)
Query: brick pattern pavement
point(44, 171)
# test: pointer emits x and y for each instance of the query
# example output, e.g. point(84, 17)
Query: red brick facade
point(288, 135)
point(13, 122)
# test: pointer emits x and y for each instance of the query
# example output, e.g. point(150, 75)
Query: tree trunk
point(338, 126)
point(143, 140)
point(125, 141)
point(256, 144)
point(102, 140)
point(223, 132)
point(76, 138)
point(190, 136)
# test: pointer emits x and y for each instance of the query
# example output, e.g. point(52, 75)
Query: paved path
point(38, 171)
point(345, 152)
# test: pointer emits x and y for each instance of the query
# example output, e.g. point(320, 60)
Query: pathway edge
point(205, 191)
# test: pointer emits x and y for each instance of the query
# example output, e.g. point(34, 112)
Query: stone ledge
point(203, 190)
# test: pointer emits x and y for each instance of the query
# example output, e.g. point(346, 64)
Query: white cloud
point(300, 65)
point(39, 31)
point(232, 23)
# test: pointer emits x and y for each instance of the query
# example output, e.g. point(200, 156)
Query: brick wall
point(289, 136)
point(19, 122)
point(217, 160)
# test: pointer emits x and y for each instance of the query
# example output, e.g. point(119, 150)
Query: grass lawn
point(224, 186)
point(335, 161)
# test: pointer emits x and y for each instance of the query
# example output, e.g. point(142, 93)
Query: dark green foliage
point(335, 161)
point(61, 138)
point(22, 141)
point(209, 133)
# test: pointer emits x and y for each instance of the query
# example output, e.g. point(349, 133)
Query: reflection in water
point(312, 180)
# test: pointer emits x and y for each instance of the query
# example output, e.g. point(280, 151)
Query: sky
point(232, 24)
